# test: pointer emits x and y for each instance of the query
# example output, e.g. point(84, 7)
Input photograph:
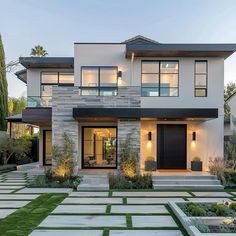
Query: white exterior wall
point(210, 133)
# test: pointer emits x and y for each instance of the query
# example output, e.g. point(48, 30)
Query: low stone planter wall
point(190, 228)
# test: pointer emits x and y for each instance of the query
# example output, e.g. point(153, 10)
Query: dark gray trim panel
point(47, 62)
point(183, 50)
point(134, 113)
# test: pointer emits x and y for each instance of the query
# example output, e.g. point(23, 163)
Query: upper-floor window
point(99, 80)
point(160, 78)
point(200, 78)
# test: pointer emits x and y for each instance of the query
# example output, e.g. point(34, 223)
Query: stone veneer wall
point(64, 99)
point(126, 127)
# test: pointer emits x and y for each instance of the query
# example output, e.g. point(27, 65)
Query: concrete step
point(93, 187)
point(186, 182)
point(206, 177)
point(94, 182)
point(186, 187)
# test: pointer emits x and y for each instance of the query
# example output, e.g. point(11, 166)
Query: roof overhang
point(143, 113)
point(22, 75)
point(180, 50)
point(47, 62)
point(15, 118)
point(37, 116)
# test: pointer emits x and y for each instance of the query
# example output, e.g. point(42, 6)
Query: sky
point(57, 24)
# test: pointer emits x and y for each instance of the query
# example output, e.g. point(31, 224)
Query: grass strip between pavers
point(26, 219)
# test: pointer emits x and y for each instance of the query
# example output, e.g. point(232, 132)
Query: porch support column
point(125, 127)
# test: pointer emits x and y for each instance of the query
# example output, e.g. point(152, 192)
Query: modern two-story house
point(168, 97)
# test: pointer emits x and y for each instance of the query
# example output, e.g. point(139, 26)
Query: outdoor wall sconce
point(150, 136)
point(119, 74)
point(194, 136)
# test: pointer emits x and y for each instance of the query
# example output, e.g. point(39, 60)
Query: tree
point(3, 89)
point(230, 89)
point(9, 146)
point(16, 105)
point(38, 51)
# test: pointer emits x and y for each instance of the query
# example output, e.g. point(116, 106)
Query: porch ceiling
point(142, 113)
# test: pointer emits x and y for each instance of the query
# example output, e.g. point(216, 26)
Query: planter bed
point(210, 224)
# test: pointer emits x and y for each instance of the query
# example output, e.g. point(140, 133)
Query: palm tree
point(38, 51)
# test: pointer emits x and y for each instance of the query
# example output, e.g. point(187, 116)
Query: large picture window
point(160, 78)
point(99, 80)
point(99, 147)
point(200, 78)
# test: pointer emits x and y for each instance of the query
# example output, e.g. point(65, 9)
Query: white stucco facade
point(209, 132)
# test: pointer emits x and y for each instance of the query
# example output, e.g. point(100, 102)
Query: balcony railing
point(36, 101)
point(108, 91)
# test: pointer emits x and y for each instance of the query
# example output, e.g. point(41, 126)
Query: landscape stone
point(13, 204)
point(91, 200)
point(153, 221)
point(44, 232)
point(6, 212)
point(80, 209)
point(89, 194)
point(209, 199)
point(18, 196)
point(212, 194)
point(152, 194)
point(145, 233)
point(152, 200)
point(45, 190)
point(142, 209)
point(83, 221)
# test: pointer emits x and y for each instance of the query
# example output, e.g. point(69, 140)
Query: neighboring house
point(232, 104)
point(170, 98)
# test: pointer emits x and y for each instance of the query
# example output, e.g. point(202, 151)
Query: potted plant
point(196, 164)
point(150, 164)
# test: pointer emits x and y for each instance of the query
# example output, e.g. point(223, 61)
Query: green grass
point(26, 219)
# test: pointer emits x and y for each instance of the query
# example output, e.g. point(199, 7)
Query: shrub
point(230, 177)
point(196, 159)
point(47, 181)
point(233, 206)
point(137, 182)
point(195, 210)
point(129, 158)
point(200, 225)
point(63, 157)
point(219, 209)
point(218, 166)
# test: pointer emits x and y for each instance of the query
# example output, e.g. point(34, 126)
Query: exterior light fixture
point(119, 74)
point(150, 136)
point(194, 136)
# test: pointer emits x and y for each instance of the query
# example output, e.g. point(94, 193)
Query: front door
point(171, 146)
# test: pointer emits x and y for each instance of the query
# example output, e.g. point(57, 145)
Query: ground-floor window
point(99, 147)
point(47, 147)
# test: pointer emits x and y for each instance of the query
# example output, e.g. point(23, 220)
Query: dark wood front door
point(171, 146)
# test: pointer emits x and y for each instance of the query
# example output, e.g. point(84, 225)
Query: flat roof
point(47, 62)
point(180, 50)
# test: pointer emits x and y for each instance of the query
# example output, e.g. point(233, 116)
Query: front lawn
point(26, 219)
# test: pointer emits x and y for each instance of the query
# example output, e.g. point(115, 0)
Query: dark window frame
point(51, 84)
point(82, 147)
point(44, 147)
point(99, 88)
point(159, 77)
point(206, 74)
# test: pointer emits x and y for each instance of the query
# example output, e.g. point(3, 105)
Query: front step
point(164, 182)
point(94, 182)
point(186, 182)
point(187, 187)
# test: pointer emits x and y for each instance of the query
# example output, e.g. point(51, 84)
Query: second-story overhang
point(101, 113)
point(180, 50)
point(47, 62)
